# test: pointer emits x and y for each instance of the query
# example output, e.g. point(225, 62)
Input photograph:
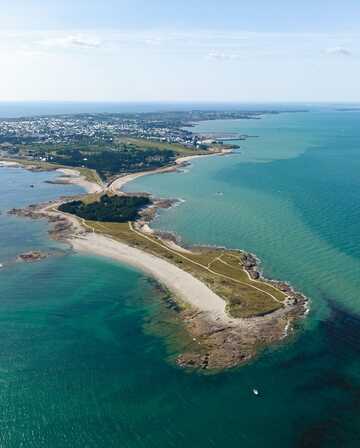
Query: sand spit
point(219, 341)
point(74, 177)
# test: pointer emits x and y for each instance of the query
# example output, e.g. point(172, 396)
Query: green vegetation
point(221, 270)
point(90, 175)
point(108, 208)
point(140, 143)
point(111, 162)
point(104, 159)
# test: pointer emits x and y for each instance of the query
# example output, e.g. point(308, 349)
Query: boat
point(256, 392)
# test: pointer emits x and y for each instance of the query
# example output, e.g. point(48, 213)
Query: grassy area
point(90, 175)
point(222, 270)
point(140, 143)
point(107, 159)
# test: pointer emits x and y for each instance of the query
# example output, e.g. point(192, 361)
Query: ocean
point(16, 109)
point(79, 365)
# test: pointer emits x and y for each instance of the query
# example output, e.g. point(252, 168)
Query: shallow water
point(76, 366)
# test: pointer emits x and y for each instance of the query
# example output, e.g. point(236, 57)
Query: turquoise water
point(291, 195)
point(76, 366)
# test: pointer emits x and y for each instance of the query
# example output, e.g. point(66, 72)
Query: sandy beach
point(225, 341)
point(182, 284)
point(67, 175)
point(118, 184)
point(5, 163)
point(72, 176)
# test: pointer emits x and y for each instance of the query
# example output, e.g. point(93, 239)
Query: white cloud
point(71, 41)
point(222, 56)
point(219, 45)
point(338, 51)
point(155, 41)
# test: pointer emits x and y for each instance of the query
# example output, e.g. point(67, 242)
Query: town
point(166, 127)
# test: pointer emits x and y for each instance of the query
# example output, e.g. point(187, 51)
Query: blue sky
point(180, 50)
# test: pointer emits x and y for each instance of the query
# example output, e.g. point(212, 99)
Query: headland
point(228, 309)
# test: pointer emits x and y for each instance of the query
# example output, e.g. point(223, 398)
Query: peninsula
point(228, 309)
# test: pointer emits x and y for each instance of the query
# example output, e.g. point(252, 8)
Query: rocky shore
point(62, 227)
point(217, 345)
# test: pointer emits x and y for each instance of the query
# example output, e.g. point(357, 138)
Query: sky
point(189, 50)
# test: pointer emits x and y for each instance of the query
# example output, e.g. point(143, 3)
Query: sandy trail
point(184, 285)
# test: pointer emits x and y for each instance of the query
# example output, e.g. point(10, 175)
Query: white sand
point(183, 284)
point(120, 182)
point(74, 177)
point(70, 176)
point(6, 163)
point(176, 247)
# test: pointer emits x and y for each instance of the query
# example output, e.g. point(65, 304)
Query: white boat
point(256, 392)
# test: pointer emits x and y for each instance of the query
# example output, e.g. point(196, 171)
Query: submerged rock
point(32, 256)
